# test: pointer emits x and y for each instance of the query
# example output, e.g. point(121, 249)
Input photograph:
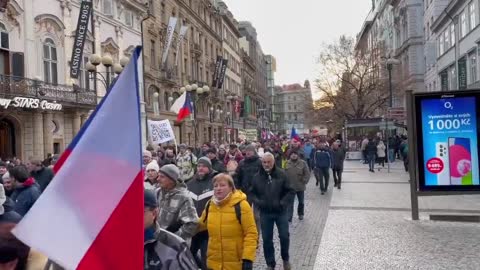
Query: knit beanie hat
point(152, 166)
point(147, 153)
point(171, 171)
point(251, 148)
point(205, 161)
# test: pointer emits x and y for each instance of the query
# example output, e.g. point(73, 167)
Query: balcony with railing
point(12, 86)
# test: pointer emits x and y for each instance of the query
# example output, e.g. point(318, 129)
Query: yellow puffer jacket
point(229, 241)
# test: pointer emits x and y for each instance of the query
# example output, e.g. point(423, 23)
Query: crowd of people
point(205, 207)
point(376, 151)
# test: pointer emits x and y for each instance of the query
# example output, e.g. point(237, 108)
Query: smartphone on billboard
point(443, 178)
point(460, 160)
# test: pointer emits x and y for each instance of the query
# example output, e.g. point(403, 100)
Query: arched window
point(50, 62)
point(4, 43)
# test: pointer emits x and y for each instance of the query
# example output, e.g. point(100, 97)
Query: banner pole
point(412, 147)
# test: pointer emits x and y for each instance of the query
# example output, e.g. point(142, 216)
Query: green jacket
point(298, 174)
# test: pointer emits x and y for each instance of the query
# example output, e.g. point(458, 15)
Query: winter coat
point(308, 149)
point(167, 161)
point(177, 211)
point(381, 150)
point(25, 196)
point(167, 251)
point(338, 158)
point(201, 191)
point(218, 166)
point(298, 174)
point(371, 148)
point(9, 215)
point(230, 241)
point(245, 172)
point(43, 177)
point(271, 192)
point(186, 163)
point(321, 158)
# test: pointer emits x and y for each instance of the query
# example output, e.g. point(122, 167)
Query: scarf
point(218, 202)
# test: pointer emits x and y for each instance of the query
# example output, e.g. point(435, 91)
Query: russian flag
point(182, 106)
point(294, 135)
point(90, 216)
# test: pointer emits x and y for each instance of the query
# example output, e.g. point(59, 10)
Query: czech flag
point(182, 106)
point(90, 216)
point(294, 135)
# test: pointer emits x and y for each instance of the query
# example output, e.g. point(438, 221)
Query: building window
point(453, 78)
point(471, 9)
point(4, 43)
point(452, 34)
point(447, 39)
point(128, 18)
point(84, 78)
point(463, 24)
point(108, 7)
point(50, 61)
point(473, 67)
point(152, 54)
point(441, 44)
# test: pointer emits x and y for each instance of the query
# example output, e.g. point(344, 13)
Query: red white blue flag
point(90, 216)
point(182, 106)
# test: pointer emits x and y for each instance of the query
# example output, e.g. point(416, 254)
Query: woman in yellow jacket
point(232, 232)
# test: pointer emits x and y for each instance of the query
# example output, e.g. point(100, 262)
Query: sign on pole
point(218, 68)
point(448, 141)
point(172, 23)
point(221, 77)
point(80, 36)
point(160, 131)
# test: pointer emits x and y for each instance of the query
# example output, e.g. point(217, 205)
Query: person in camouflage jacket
point(177, 213)
point(186, 162)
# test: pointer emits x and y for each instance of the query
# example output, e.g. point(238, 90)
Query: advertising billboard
point(448, 141)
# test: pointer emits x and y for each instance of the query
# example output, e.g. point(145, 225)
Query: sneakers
point(286, 266)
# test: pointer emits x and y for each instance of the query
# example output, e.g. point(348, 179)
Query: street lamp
point(211, 114)
point(111, 68)
point(390, 63)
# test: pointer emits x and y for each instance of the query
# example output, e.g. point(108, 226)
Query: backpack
point(238, 212)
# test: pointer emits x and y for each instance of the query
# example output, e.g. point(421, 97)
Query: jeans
point(371, 162)
point(301, 205)
point(337, 177)
point(323, 176)
point(309, 163)
point(391, 155)
point(267, 221)
point(200, 243)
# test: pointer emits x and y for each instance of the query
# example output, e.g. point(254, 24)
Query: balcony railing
point(12, 86)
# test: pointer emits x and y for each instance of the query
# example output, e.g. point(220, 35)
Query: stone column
point(83, 119)
point(76, 124)
point(47, 133)
point(38, 135)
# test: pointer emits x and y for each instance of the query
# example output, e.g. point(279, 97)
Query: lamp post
point(390, 63)
point(385, 135)
point(111, 68)
point(195, 92)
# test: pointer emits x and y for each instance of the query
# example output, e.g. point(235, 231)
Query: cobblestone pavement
point(369, 226)
point(305, 235)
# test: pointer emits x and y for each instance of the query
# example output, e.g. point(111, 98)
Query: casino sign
point(30, 103)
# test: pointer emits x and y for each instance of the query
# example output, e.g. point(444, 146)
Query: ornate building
point(190, 61)
point(42, 108)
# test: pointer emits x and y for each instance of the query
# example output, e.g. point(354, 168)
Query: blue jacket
point(25, 197)
point(321, 158)
point(308, 148)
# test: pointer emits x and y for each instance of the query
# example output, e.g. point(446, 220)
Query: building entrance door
point(7, 139)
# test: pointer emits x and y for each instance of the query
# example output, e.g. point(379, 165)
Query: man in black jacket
point(246, 170)
point(272, 194)
point(216, 164)
point(43, 176)
point(201, 191)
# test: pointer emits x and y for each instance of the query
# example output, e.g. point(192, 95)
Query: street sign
point(80, 36)
point(397, 113)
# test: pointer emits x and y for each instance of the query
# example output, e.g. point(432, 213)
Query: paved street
point(367, 225)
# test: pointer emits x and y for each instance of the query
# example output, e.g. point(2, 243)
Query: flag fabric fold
point(90, 216)
point(182, 106)
point(294, 135)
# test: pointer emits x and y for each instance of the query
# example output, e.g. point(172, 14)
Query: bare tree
point(350, 81)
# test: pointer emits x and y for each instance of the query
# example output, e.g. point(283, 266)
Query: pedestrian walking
point(364, 150)
point(322, 162)
point(308, 149)
point(186, 162)
point(26, 190)
point(338, 158)
point(42, 175)
point(247, 169)
point(151, 179)
point(177, 212)
point(272, 193)
point(404, 152)
point(216, 164)
point(231, 227)
point(371, 150)
point(298, 174)
point(162, 249)
point(381, 150)
point(201, 191)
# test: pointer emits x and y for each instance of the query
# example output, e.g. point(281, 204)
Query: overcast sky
point(293, 31)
